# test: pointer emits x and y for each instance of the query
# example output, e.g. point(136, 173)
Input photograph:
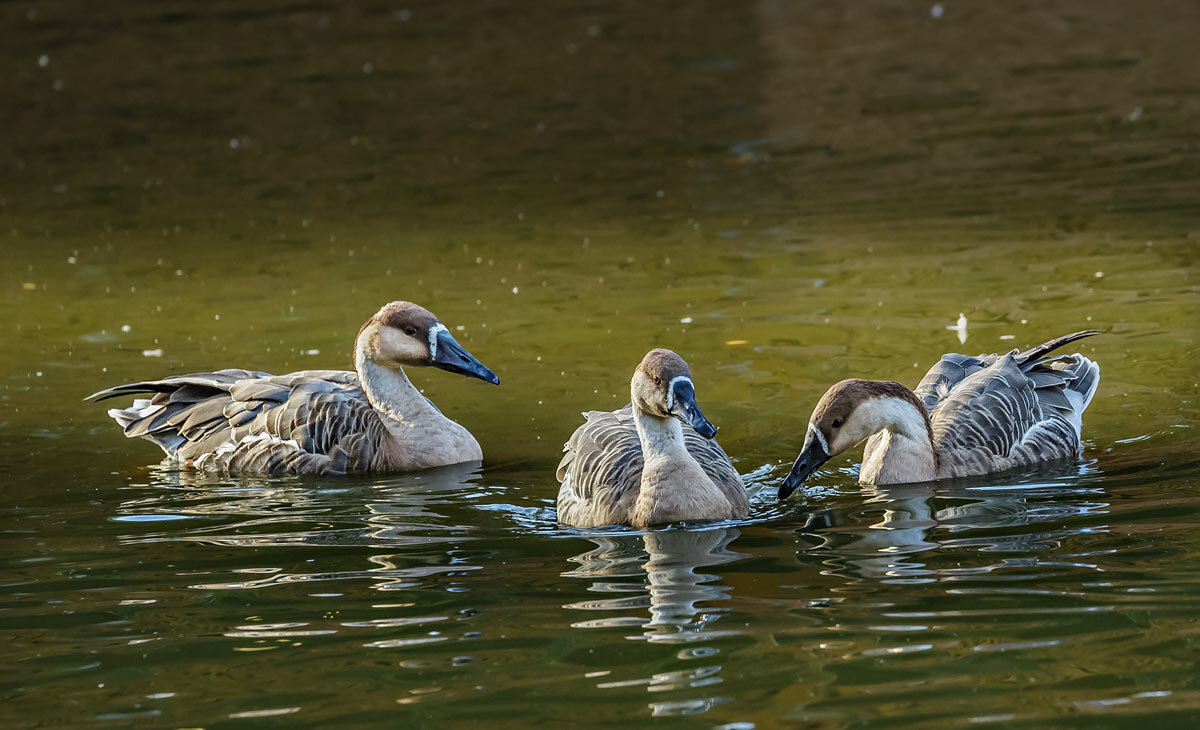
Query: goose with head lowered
point(968, 416)
point(652, 462)
point(314, 421)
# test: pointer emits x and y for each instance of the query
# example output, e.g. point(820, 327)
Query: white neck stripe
point(671, 389)
point(433, 333)
point(820, 437)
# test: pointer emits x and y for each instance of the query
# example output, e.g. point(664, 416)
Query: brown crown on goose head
point(403, 333)
point(662, 387)
point(840, 401)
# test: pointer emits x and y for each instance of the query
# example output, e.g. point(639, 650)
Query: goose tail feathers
point(1034, 355)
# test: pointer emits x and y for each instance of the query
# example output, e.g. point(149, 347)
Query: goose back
point(601, 470)
point(312, 421)
point(993, 412)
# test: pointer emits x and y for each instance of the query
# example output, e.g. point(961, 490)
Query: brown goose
point(652, 462)
point(968, 416)
point(314, 421)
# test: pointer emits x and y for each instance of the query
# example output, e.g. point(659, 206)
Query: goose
point(968, 416)
point(314, 421)
point(653, 461)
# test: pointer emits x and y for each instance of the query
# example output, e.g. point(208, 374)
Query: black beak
point(685, 397)
point(811, 457)
point(450, 356)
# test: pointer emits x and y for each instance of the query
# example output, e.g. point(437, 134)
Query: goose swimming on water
point(314, 421)
point(652, 462)
point(968, 416)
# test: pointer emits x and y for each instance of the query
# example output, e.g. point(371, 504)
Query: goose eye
point(657, 380)
point(410, 331)
point(837, 422)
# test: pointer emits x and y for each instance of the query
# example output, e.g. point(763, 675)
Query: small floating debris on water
point(125, 328)
point(44, 61)
point(29, 286)
point(686, 320)
point(1008, 337)
point(960, 327)
point(937, 11)
point(156, 352)
point(1099, 274)
point(1134, 115)
point(735, 342)
point(313, 351)
point(71, 259)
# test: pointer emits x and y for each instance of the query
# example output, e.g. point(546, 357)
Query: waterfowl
point(651, 462)
point(314, 421)
point(968, 416)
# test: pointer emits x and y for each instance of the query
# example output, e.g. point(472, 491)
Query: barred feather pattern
point(995, 412)
point(601, 470)
point(245, 421)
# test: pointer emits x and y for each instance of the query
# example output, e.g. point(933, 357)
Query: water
point(785, 195)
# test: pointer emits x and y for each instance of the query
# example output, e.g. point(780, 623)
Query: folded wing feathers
point(1015, 410)
point(603, 454)
point(316, 421)
point(264, 453)
point(943, 377)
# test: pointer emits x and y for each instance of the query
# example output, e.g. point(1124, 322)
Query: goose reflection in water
point(293, 512)
point(656, 583)
point(893, 535)
point(668, 581)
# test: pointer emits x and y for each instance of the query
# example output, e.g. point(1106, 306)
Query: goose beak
point(685, 403)
point(450, 356)
point(811, 457)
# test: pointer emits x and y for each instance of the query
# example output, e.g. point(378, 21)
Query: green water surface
point(787, 194)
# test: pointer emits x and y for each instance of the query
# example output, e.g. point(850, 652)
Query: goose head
point(662, 387)
point(403, 333)
point(849, 413)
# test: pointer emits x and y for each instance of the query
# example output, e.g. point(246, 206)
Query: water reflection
point(667, 583)
point(895, 534)
point(655, 582)
point(404, 513)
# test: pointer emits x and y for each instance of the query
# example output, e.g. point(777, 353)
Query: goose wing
point(601, 469)
point(251, 421)
point(1017, 409)
point(947, 374)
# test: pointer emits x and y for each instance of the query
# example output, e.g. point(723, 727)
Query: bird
point(652, 462)
point(314, 421)
point(968, 416)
